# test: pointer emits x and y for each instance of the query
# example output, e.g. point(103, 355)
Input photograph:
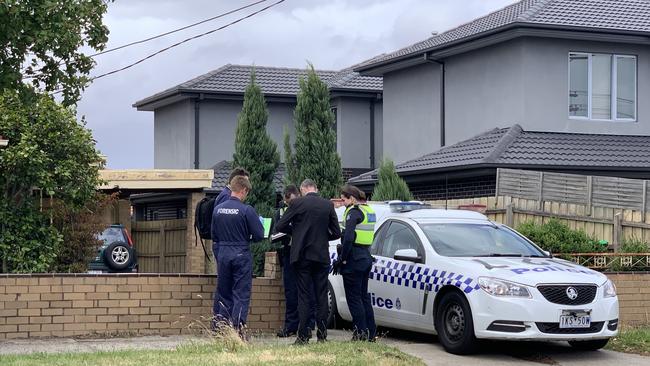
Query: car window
point(111, 235)
point(376, 242)
point(473, 240)
point(399, 236)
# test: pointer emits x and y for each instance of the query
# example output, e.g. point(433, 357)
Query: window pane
point(601, 86)
point(578, 85)
point(398, 237)
point(625, 87)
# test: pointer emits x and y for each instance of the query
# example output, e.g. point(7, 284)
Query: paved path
point(422, 346)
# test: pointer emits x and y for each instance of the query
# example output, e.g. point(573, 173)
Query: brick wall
point(634, 296)
point(455, 188)
point(135, 304)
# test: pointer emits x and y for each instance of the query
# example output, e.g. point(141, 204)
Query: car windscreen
point(477, 240)
point(111, 235)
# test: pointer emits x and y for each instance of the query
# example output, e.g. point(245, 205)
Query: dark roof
point(223, 168)
point(514, 147)
point(606, 15)
point(278, 81)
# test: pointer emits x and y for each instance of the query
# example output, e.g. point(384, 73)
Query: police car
point(459, 275)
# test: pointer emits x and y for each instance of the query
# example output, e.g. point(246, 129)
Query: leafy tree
point(315, 146)
point(255, 150)
point(49, 154)
point(42, 42)
point(390, 186)
point(291, 174)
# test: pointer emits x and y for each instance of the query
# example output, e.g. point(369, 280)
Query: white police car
point(464, 277)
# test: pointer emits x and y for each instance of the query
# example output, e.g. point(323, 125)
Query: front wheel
point(591, 345)
point(454, 324)
point(333, 318)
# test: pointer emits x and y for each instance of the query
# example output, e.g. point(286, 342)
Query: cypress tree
point(291, 174)
point(389, 185)
point(255, 150)
point(315, 146)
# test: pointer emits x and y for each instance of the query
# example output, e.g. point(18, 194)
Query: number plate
point(575, 319)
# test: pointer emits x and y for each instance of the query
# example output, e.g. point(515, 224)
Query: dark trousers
point(355, 283)
point(312, 275)
point(234, 283)
point(291, 318)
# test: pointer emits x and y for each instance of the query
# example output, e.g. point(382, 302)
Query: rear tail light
point(128, 238)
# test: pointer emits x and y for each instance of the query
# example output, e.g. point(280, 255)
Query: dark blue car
point(116, 254)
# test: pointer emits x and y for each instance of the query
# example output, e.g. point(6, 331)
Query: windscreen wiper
point(500, 255)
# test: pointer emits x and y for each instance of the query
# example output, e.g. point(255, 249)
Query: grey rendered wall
point(353, 135)
point(173, 136)
point(484, 89)
point(218, 123)
point(546, 87)
point(411, 118)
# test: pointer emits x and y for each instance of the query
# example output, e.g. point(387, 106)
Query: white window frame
point(613, 75)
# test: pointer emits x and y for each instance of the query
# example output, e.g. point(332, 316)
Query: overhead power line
point(180, 43)
point(178, 29)
point(162, 34)
point(187, 40)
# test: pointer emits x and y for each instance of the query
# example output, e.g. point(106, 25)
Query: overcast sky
point(332, 34)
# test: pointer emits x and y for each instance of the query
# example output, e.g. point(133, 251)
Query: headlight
point(609, 289)
point(501, 288)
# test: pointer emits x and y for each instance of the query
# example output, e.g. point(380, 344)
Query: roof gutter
point(525, 29)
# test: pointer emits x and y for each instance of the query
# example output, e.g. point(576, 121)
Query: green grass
point(632, 340)
point(220, 353)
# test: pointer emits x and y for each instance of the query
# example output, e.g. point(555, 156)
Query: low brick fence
point(60, 305)
point(63, 305)
point(633, 289)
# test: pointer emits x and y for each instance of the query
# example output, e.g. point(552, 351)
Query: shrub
point(259, 253)
point(634, 245)
point(557, 237)
point(390, 186)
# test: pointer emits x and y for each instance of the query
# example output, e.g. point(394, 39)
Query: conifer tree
point(255, 150)
point(291, 174)
point(315, 146)
point(389, 185)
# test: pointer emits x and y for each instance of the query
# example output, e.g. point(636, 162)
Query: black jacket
point(356, 258)
point(312, 223)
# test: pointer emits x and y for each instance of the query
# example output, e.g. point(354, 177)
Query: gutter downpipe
point(442, 96)
point(372, 134)
point(197, 114)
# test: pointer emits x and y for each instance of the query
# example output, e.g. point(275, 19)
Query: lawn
point(218, 353)
point(632, 340)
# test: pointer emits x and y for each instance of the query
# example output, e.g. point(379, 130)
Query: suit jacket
point(312, 223)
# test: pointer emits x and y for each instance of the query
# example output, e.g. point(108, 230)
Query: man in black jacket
point(312, 222)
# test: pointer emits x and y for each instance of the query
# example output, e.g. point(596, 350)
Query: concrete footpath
point(422, 346)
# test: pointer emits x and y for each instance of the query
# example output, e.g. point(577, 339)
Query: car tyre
point(454, 324)
point(118, 256)
point(333, 318)
point(591, 345)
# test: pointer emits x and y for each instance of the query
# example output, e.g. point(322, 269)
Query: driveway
point(423, 346)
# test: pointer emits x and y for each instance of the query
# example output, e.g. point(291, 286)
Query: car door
point(395, 293)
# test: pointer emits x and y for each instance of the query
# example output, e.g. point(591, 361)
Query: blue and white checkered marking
point(418, 276)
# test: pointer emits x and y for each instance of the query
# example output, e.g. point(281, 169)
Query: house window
point(602, 86)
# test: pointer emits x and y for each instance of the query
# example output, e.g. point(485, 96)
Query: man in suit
point(312, 222)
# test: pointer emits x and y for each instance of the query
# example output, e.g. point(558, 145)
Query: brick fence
point(60, 305)
point(633, 290)
point(135, 304)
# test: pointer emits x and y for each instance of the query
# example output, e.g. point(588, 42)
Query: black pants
point(355, 283)
point(311, 275)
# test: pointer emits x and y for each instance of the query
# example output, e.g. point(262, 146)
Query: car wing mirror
point(409, 255)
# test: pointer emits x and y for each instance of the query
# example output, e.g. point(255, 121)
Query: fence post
point(618, 231)
point(510, 215)
point(645, 200)
point(161, 248)
point(590, 191)
point(540, 196)
point(496, 190)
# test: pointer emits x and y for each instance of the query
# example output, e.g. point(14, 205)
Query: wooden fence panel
point(160, 245)
point(618, 192)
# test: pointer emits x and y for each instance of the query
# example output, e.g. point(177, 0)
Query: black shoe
point(283, 333)
point(321, 340)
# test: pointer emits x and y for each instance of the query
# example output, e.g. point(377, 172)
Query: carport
point(157, 207)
